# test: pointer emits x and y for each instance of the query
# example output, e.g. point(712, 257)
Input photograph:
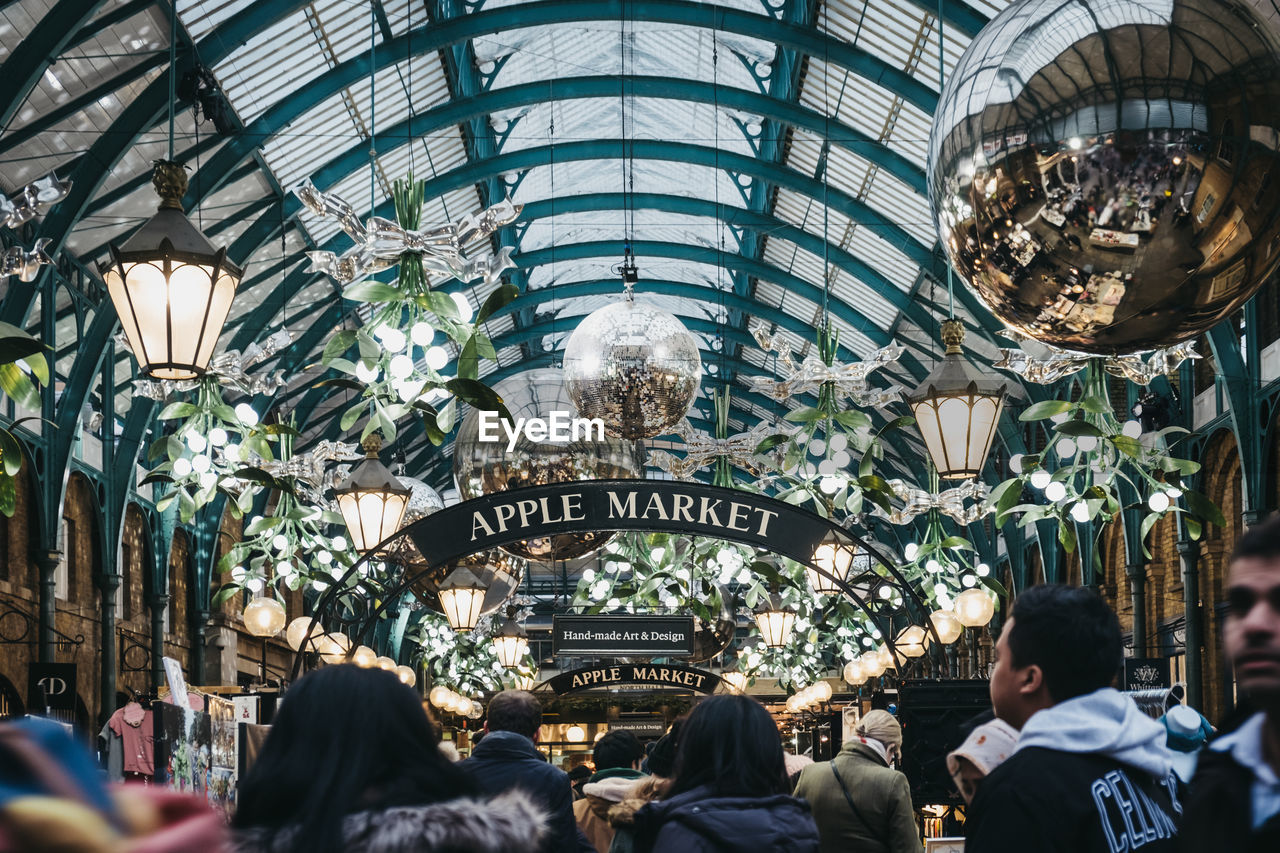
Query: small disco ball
point(423, 500)
point(1104, 175)
point(634, 366)
point(485, 467)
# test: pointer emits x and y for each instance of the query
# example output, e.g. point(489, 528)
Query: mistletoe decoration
point(23, 365)
point(463, 661)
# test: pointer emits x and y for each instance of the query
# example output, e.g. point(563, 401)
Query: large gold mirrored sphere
point(634, 366)
point(1105, 175)
point(483, 467)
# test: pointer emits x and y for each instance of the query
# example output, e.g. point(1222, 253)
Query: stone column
point(1137, 573)
point(157, 604)
point(47, 566)
point(1189, 558)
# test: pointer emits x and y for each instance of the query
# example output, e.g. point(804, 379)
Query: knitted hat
point(986, 746)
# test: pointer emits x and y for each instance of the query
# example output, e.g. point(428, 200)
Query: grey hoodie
point(1104, 722)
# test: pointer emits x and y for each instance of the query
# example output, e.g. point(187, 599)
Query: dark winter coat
point(697, 821)
point(885, 821)
point(506, 760)
point(1217, 815)
point(509, 823)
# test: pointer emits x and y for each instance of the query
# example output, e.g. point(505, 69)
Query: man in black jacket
point(507, 758)
point(1090, 772)
point(1235, 795)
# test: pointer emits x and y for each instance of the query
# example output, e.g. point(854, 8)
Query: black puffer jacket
point(699, 822)
point(1218, 813)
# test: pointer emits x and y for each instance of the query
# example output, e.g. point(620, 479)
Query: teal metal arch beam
point(39, 49)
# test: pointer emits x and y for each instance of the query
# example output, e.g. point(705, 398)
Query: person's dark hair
point(345, 739)
point(1262, 541)
point(662, 758)
point(1071, 634)
point(731, 744)
point(618, 748)
point(515, 711)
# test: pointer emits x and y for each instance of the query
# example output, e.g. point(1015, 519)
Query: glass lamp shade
point(364, 657)
point(299, 630)
point(974, 608)
point(171, 288)
point(511, 643)
point(833, 555)
point(438, 695)
point(913, 641)
point(854, 674)
point(372, 501)
point(947, 626)
point(957, 410)
point(525, 682)
point(461, 597)
point(885, 655)
point(386, 663)
point(264, 617)
point(333, 648)
point(872, 665)
point(822, 691)
point(737, 681)
point(774, 620)
point(406, 675)
point(575, 734)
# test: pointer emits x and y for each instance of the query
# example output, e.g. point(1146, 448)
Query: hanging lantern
point(947, 626)
point(406, 675)
point(822, 691)
point(974, 608)
point(264, 617)
point(438, 695)
point(854, 673)
point(461, 597)
point(736, 680)
point(525, 682)
point(833, 555)
point(372, 500)
point(885, 656)
point(511, 643)
point(912, 641)
point(170, 287)
point(872, 665)
point(364, 657)
point(386, 663)
point(575, 734)
point(301, 630)
point(333, 648)
point(775, 620)
point(957, 410)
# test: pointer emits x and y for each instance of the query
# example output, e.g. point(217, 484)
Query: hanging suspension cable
point(373, 108)
point(173, 70)
point(942, 75)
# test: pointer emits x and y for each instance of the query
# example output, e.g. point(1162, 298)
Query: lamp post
point(957, 410)
point(461, 596)
point(371, 499)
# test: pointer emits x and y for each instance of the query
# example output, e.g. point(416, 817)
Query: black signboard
point(649, 726)
point(52, 686)
point(622, 636)
point(655, 674)
point(1146, 673)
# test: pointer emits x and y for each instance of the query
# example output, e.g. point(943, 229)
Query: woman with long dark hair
point(730, 791)
point(352, 763)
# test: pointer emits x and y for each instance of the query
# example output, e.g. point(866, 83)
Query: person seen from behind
point(985, 749)
point(1235, 796)
point(617, 758)
point(508, 758)
point(353, 764)
point(1090, 772)
point(730, 793)
point(859, 802)
point(661, 765)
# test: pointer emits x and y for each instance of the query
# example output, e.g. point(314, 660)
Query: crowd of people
point(353, 762)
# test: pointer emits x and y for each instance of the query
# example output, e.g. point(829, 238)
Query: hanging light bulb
point(333, 647)
point(575, 734)
point(912, 641)
point(386, 663)
point(406, 675)
point(461, 596)
point(974, 608)
point(511, 643)
point(371, 499)
point(775, 620)
point(854, 674)
point(834, 555)
point(947, 626)
point(736, 680)
point(872, 665)
point(957, 409)
point(300, 630)
point(264, 617)
point(364, 657)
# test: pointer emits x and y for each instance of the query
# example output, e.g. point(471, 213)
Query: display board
point(622, 636)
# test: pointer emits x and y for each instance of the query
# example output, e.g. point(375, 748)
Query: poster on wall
point(184, 746)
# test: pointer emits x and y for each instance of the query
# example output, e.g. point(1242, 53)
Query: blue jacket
point(506, 760)
point(698, 822)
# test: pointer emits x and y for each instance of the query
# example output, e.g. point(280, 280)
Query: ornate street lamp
point(834, 554)
point(371, 499)
point(957, 409)
point(264, 617)
point(461, 596)
point(775, 620)
point(974, 608)
point(511, 643)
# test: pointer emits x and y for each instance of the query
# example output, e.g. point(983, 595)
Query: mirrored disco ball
point(484, 467)
point(711, 638)
point(423, 500)
point(1104, 175)
point(502, 574)
point(634, 366)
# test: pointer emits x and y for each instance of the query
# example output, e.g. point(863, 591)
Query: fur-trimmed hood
point(642, 793)
point(508, 823)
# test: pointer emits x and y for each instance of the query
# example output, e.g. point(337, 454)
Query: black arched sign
point(652, 674)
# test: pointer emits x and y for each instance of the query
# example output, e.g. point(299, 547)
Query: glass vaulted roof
point(777, 150)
